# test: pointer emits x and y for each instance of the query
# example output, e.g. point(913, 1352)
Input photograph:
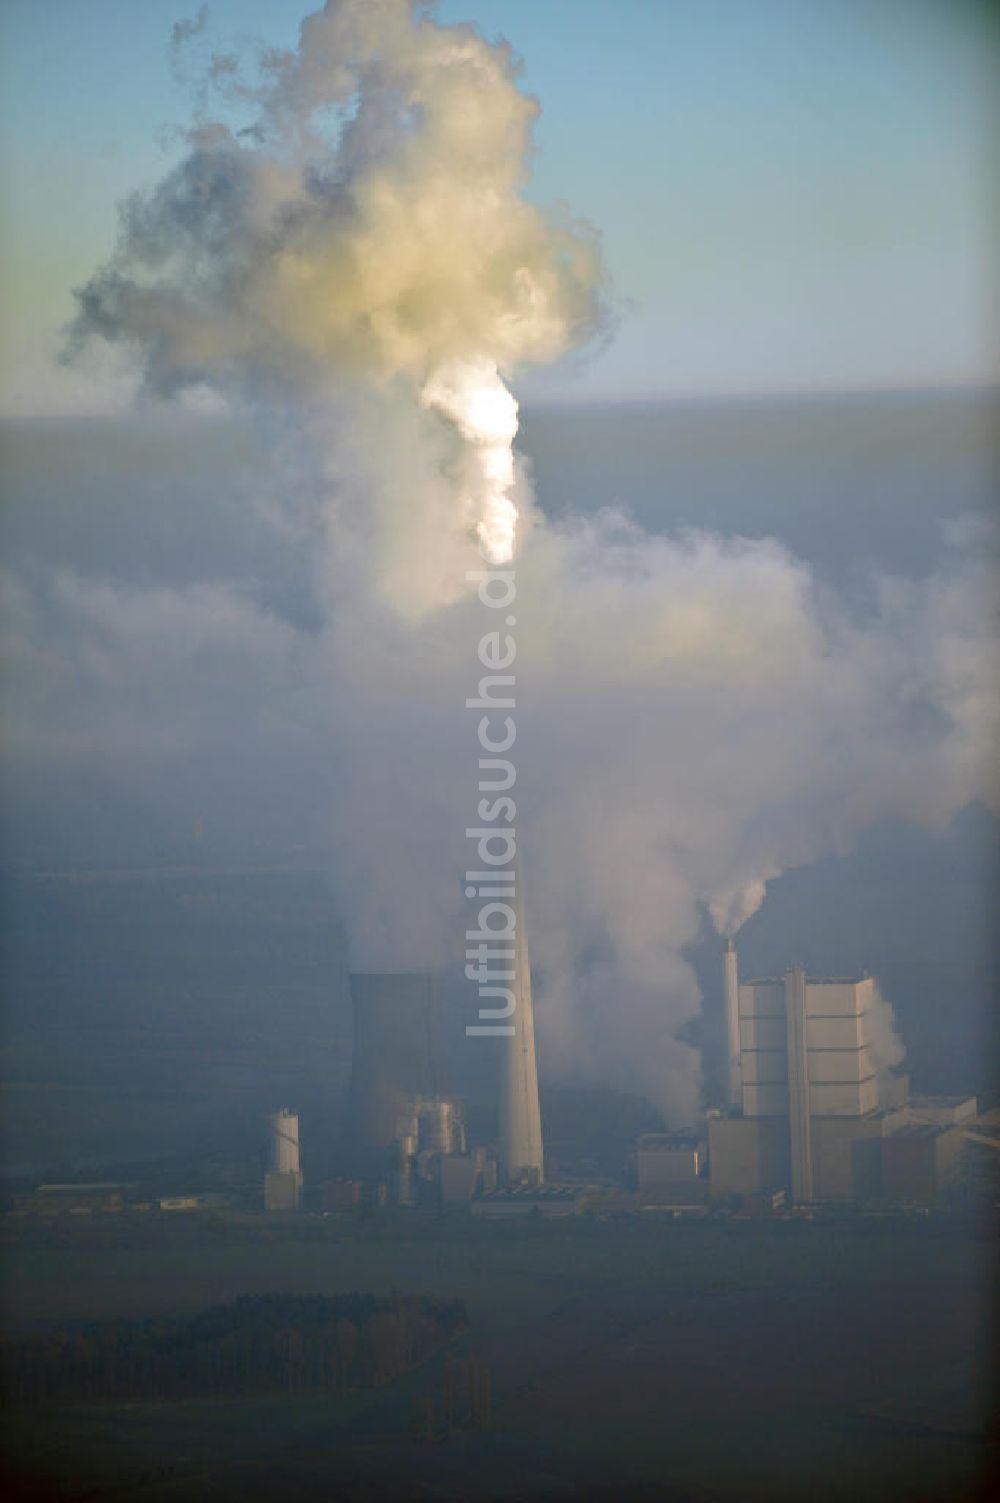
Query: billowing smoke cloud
point(694, 714)
point(368, 229)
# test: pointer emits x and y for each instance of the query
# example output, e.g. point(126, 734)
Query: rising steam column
point(521, 1157)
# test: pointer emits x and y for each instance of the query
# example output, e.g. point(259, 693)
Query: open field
point(703, 1361)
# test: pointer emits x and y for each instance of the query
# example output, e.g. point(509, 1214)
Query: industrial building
point(525, 1198)
point(671, 1169)
point(917, 1160)
point(465, 1175)
point(340, 1194)
point(810, 1109)
point(429, 1135)
point(73, 1200)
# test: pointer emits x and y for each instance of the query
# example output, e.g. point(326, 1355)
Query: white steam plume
point(366, 231)
point(694, 714)
point(472, 395)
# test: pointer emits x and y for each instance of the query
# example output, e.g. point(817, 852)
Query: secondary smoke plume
point(358, 264)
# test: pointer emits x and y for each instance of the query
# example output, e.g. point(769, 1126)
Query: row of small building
point(107, 1196)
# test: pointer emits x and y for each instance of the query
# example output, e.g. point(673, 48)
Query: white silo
point(284, 1142)
point(283, 1181)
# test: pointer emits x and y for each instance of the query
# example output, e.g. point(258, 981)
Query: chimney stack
point(520, 1119)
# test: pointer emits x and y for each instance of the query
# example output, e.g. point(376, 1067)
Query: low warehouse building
point(671, 1169)
point(918, 1161)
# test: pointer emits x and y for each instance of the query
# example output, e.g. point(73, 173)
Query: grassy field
point(707, 1361)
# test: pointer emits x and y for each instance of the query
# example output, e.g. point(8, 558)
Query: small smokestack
point(799, 1126)
point(731, 987)
point(520, 1119)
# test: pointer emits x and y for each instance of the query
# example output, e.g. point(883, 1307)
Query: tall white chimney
point(520, 1119)
point(731, 987)
point(799, 1126)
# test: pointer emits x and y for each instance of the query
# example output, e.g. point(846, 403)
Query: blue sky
point(794, 195)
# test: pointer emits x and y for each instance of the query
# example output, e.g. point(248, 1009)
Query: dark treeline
point(258, 1344)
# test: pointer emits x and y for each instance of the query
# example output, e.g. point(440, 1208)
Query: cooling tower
point(730, 977)
point(520, 1119)
point(394, 1028)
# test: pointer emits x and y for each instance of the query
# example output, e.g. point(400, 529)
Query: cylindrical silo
point(405, 1154)
point(440, 1126)
point(284, 1145)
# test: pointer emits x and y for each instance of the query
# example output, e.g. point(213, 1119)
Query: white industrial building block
point(833, 1066)
point(762, 999)
point(839, 998)
point(845, 1100)
point(815, 1109)
point(846, 1032)
point(840, 1070)
point(765, 1067)
point(765, 1100)
point(763, 1033)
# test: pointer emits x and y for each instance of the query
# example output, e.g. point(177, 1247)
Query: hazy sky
point(210, 652)
point(793, 194)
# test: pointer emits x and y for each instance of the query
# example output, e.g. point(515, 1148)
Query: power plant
point(811, 1110)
